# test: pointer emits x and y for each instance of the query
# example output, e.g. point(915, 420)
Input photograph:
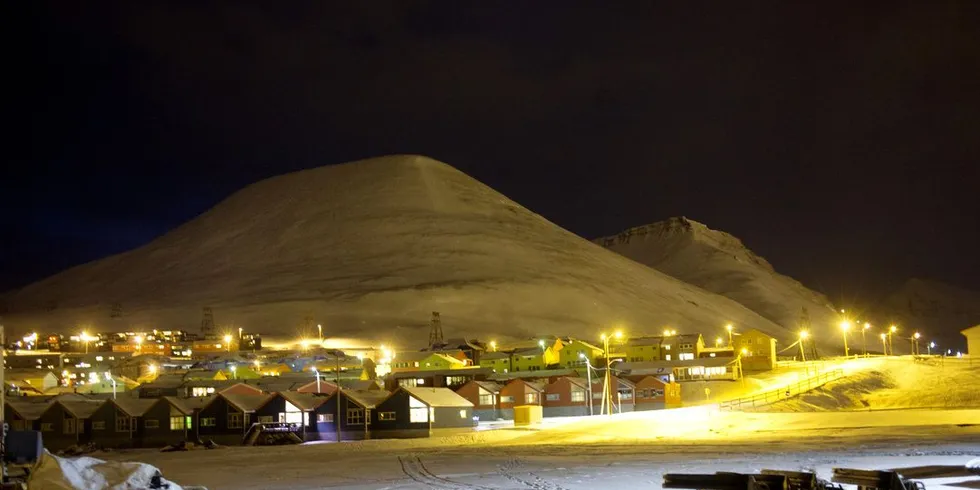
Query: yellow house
point(643, 349)
point(273, 369)
point(972, 335)
point(569, 354)
point(425, 361)
point(498, 361)
point(531, 359)
point(758, 350)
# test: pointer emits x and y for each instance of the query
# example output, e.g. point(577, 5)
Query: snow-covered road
point(555, 458)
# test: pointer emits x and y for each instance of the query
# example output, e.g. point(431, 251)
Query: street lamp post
point(915, 343)
point(729, 328)
point(317, 374)
point(864, 341)
point(588, 371)
point(844, 327)
point(891, 346)
point(884, 344)
point(930, 347)
point(108, 377)
point(319, 330)
point(234, 371)
point(606, 391)
point(803, 336)
point(338, 354)
point(85, 339)
point(228, 341)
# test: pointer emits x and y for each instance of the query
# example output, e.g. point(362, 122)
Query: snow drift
point(720, 263)
point(369, 249)
point(85, 473)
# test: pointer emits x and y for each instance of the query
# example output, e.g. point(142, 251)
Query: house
point(471, 349)
point(572, 351)
point(447, 378)
point(757, 350)
point(682, 347)
point(23, 413)
point(66, 421)
point(273, 369)
point(485, 397)
point(292, 408)
point(624, 394)
point(531, 359)
point(519, 392)
point(418, 412)
point(701, 369)
point(498, 362)
point(227, 417)
point(546, 374)
point(972, 335)
point(427, 361)
point(132, 422)
point(565, 397)
point(643, 349)
point(355, 407)
point(650, 392)
point(40, 379)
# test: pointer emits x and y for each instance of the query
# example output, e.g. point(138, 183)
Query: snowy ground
point(628, 451)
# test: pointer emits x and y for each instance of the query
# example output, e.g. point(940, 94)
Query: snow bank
point(85, 473)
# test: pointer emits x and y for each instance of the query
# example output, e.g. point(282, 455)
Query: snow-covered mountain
point(937, 310)
point(720, 263)
point(368, 249)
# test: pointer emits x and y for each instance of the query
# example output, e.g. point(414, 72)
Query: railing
point(773, 396)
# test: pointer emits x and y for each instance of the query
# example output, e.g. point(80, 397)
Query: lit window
point(324, 418)
point(124, 423)
point(207, 422)
point(176, 423)
point(551, 397)
point(667, 357)
point(234, 421)
point(506, 399)
point(685, 356)
point(418, 413)
point(47, 427)
point(386, 416)
point(578, 396)
point(486, 399)
point(419, 381)
point(98, 358)
point(462, 413)
point(531, 398)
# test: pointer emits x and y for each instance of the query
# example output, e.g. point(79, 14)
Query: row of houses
point(242, 413)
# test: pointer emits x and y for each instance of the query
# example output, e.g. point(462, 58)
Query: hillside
point(369, 249)
point(937, 310)
point(720, 263)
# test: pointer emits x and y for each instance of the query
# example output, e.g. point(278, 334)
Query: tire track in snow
point(415, 469)
point(507, 471)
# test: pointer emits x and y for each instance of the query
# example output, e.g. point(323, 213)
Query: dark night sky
point(840, 141)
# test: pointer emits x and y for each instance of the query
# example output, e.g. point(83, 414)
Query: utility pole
point(588, 371)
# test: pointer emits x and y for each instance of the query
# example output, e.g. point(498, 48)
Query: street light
point(228, 341)
point(139, 343)
point(884, 344)
point(915, 343)
point(493, 346)
point(541, 344)
point(932, 345)
point(891, 346)
point(717, 342)
point(844, 327)
point(234, 371)
point(864, 341)
point(803, 336)
point(606, 392)
point(729, 328)
point(108, 377)
point(319, 330)
point(588, 370)
point(85, 338)
point(317, 374)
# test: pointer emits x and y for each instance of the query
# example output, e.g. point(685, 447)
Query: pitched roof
point(437, 397)
point(580, 341)
point(303, 401)
point(645, 340)
point(666, 367)
point(529, 351)
point(424, 373)
point(579, 382)
point(82, 409)
point(188, 405)
point(367, 398)
point(490, 356)
point(361, 384)
point(411, 356)
point(30, 409)
point(245, 403)
point(536, 385)
point(489, 386)
point(544, 373)
point(135, 407)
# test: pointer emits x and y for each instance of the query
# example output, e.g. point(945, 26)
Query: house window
point(486, 399)
point(418, 412)
point(551, 397)
point(202, 391)
point(355, 416)
point(410, 383)
point(416, 364)
point(506, 399)
point(176, 423)
point(207, 422)
point(578, 396)
point(462, 413)
point(47, 427)
point(324, 418)
point(455, 380)
point(386, 416)
point(685, 356)
point(234, 421)
point(531, 398)
point(667, 357)
point(596, 395)
point(151, 424)
point(98, 425)
point(265, 419)
point(124, 423)
point(69, 426)
point(419, 381)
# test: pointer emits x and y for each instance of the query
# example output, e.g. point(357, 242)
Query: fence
point(773, 396)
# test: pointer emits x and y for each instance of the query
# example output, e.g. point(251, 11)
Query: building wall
point(452, 417)
point(327, 431)
point(401, 427)
point(490, 414)
point(55, 438)
point(219, 410)
point(108, 436)
point(760, 351)
point(972, 341)
point(498, 365)
point(518, 390)
point(558, 395)
point(643, 353)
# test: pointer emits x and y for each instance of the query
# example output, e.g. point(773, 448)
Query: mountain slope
point(937, 310)
point(369, 249)
point(720, 263)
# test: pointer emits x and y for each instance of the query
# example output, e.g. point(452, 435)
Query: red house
point(566, 396)
point(520, 392)
point(485, 397)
